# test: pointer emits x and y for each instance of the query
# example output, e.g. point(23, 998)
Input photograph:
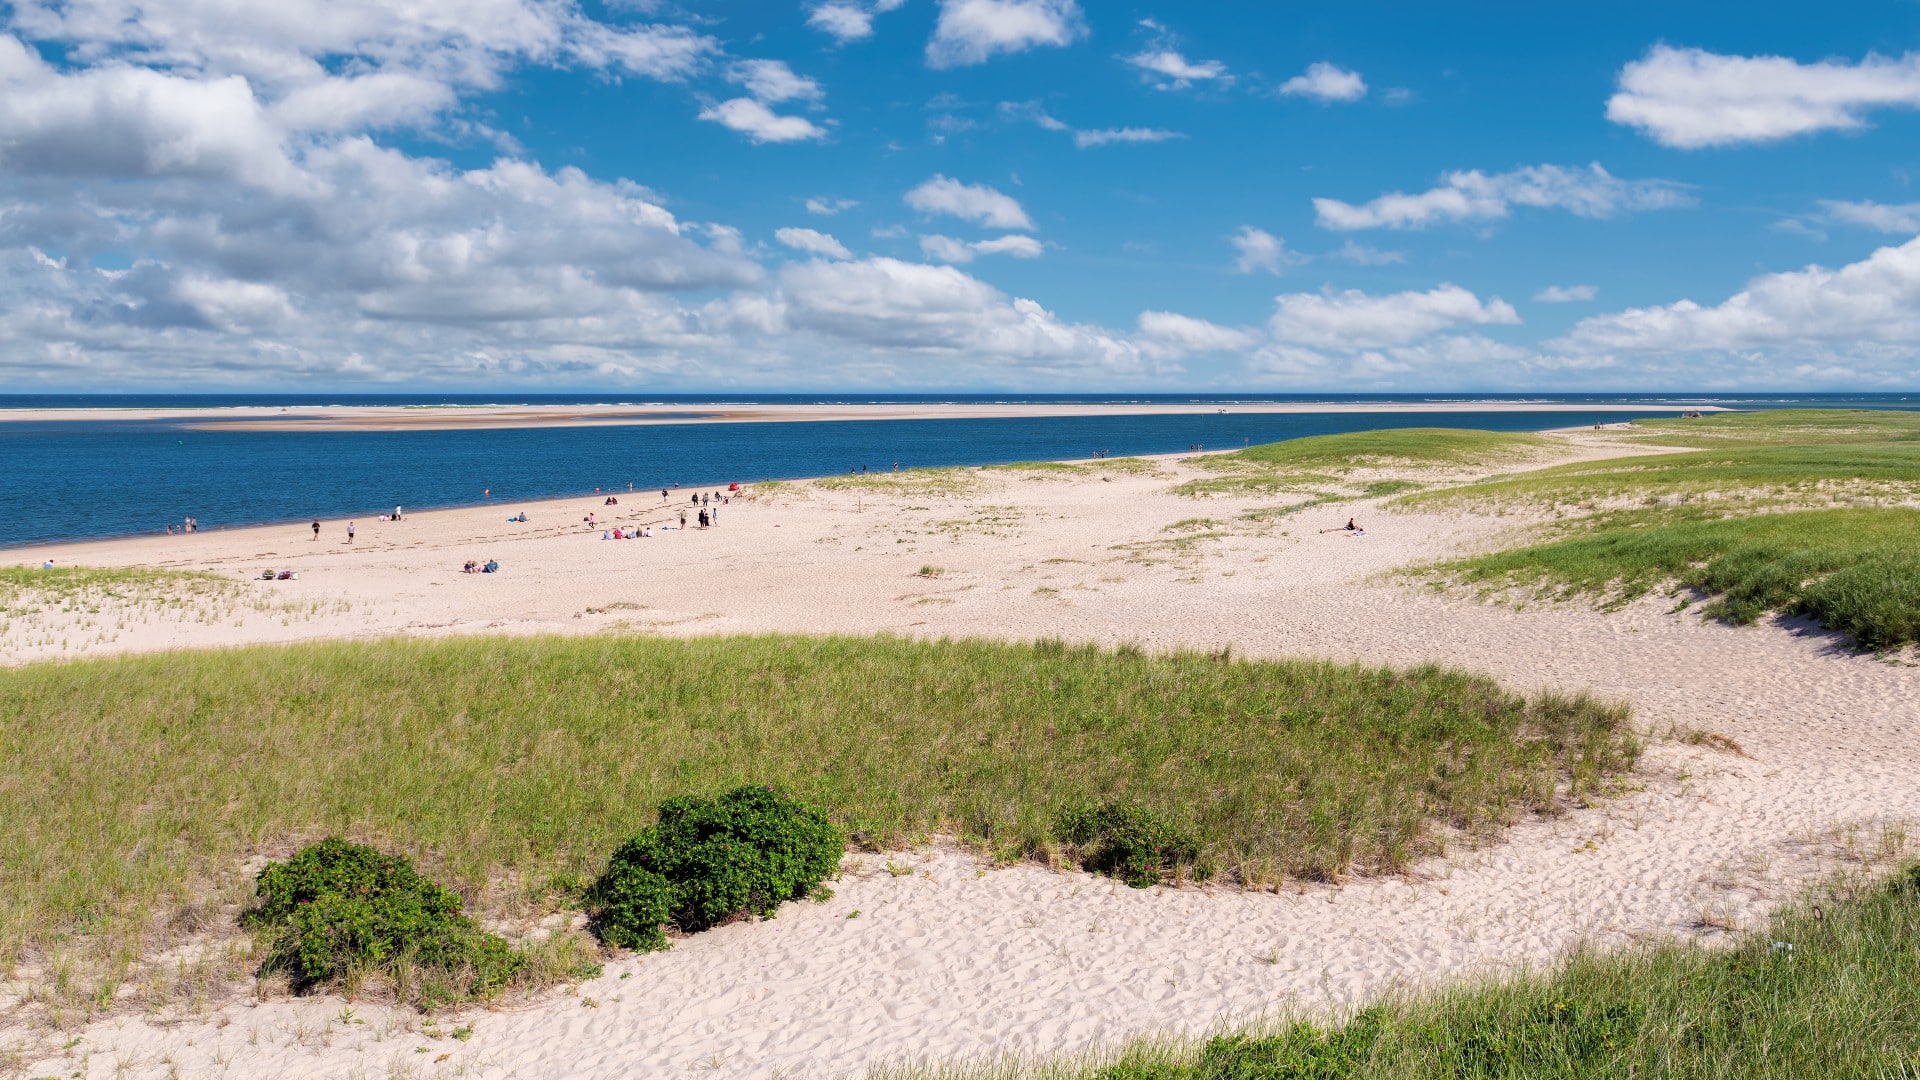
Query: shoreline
point(9, 552)
point(492, 417)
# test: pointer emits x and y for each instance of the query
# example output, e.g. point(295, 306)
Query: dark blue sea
point(81, 480)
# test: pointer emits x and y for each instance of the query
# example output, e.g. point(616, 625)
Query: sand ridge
point(957, 960)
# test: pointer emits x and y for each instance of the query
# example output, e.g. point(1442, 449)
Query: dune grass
point(1317, 461)
point(1853, 571)
point(1767, 427)
point(1826, 990)
point(940, 483)
point(1755, 476)
point(1125, 466)
point(137, 786)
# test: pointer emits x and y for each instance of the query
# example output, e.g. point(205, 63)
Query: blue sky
point(957, 194)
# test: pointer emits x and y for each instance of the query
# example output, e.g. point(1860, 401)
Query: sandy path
point(952, 962)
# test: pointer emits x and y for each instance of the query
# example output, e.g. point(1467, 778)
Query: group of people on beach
point(187, 525)
point(491, 566)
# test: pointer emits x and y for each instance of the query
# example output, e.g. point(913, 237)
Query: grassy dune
point(1320, 461)
point(1756, 476)
point(1775, 426)
point(1803, 512)
point(1854, 571)
point(1827, 990)
point(136, 786)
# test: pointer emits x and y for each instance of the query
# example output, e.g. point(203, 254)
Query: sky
point(928, 195)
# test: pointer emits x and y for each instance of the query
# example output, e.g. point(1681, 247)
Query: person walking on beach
point(349, 532)
point(714, 517)
point(683, 520)
point(316, 528)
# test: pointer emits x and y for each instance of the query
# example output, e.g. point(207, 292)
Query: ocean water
point(65, 480)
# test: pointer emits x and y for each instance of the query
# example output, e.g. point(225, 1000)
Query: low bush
point(336, 909)
point(711, 860)
point(1131, 843)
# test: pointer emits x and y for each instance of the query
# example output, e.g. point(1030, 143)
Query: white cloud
point(1260, 250)
point(1884, 217)
point(813, 242)
point(1325, 83)
point(1566, 294)
point(1177, 70)
point(1691, 98)
point(772, 81)
point(1858, 310)
point(977, 203)
point(1361, 255)
point(848, 21)
point(1186, 334)
point(892, 305)
point(1474, 196)
point(949, 250)
point(761, 124)
point(972, 31)
point(1104, 136)
point(1358, 320)
point(830, 207)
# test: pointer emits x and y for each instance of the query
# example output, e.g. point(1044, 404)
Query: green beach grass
point(1826, 990)
point(1320, 461)
point(1799, 512)
point(1740, 476)
point(508, 769)
point(1853, 571)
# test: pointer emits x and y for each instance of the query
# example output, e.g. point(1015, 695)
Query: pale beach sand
point(957, 960)
point(450, 417)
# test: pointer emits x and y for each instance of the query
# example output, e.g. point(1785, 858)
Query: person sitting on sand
point(522, 517)
point(470, 567)
point(492, 567)
point(1349, 527)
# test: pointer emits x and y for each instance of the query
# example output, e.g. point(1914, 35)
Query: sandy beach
point(455, 417)
point(956, 960)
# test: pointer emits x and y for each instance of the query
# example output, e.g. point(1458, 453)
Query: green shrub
point(336, 907)
point(1129, 842)
point(711, 860)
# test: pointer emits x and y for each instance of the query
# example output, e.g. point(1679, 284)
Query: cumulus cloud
point(1260, 250)
point(1104, 136)
point(1361, 255)
point(1883, 217)
point(813, 242)
point(977, 203)
point(1358, 320)
point(1691, 98)
point(1175, 71)
point(1326, 82)
point(1566, 294)
point(890, 304)
point(772, 81)
point(1186, 334)
point(949, 250)
point(761, 124)
point(973, 31)
point(1860, 308)
point(1474, 196)
point(847, 21)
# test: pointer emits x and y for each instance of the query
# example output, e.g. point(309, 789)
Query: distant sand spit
point(957, 960)
point(456, 417)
